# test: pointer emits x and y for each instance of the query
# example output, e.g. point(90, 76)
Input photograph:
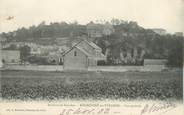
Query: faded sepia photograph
point(92, 50)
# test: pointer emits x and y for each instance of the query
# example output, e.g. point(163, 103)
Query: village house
point(62, 41)
point(10, 56)
point(99, 30)
point(179, 34)
point(94, 30)
point(108, 29)
point(159, 31)
point(82, 55)
point(155, 64)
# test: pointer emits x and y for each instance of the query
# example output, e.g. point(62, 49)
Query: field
point(36, 85)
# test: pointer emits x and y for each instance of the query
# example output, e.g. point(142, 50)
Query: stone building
point(10, 56)
point(155, 64)
point(82, 55)
point(160, 31)
point(179, 34)
point(99, 30)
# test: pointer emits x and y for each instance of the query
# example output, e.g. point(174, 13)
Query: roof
point(84, 51)
point(11, 51)
point(89, 42)
point(81, 49)
point(71, 48)
point(93, 45)
point(62, 38)
point(93, 26)
point(100, 56)
point(160, 29)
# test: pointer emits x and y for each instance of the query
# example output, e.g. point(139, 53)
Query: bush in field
point(93, 90)
point(38, 60)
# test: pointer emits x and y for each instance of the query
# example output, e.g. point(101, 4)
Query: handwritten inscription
point(84, 111)
point(162, 108)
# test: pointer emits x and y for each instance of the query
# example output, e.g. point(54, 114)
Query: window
point(75, 53)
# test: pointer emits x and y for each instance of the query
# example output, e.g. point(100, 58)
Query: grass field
point(36, 85)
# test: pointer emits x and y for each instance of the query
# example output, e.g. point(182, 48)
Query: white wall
point(127, 68)
point(97, 68)
point(35, 67)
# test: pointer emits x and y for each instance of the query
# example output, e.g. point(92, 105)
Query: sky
point(166, 14)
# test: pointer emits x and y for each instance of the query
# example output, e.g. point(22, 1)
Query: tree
point(175, 57)
point(24, 53)
point(126, 35)
point(115, 21)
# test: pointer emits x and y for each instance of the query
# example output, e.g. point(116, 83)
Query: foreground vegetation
point(129, 85)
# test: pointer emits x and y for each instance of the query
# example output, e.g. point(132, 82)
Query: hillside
point(127, 43)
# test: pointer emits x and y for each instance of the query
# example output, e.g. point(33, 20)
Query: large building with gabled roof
point(82, 55)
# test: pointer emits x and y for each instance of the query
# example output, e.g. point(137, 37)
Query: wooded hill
point(128, 44)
